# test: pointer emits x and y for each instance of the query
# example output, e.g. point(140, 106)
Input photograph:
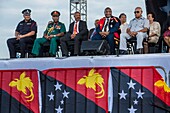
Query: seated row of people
point(106, 28)
point(55, 30)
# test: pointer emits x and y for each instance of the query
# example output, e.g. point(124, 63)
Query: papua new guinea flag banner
point(75, 90)
point(139, 90)
point(19, 91)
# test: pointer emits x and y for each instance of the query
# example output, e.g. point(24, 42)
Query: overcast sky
point(10, 11)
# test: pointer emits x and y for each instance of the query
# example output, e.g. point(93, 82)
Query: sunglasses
point(55, 16)
point(136, 12)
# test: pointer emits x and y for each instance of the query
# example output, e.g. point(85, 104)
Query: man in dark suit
point(108, 26)
point(92, 31)
point(77, 32)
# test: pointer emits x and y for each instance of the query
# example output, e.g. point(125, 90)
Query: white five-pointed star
point(59, 109)
point(57, 86)
point(62, 102)
point(135, 102)
point(132, 110)
point(131, 84)
point(65, 94)
point(122, 95)
point(51, 96)
point(140, 94)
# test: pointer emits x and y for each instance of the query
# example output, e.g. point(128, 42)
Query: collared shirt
point(25, 27)
point(107, 19)
point(53, 28)
point(138, 24)
point(77, 26)
point(123, 27)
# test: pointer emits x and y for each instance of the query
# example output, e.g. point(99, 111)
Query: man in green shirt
point(53, 32)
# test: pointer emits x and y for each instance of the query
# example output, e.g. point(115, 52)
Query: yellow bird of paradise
point(162, 84)
point(22, 85)
point(92, 80)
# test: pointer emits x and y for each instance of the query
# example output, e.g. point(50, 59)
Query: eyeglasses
point(136, 12)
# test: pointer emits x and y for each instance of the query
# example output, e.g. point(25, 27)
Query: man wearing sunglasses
point(138, 28)
point(53, 32)
point(25, 33)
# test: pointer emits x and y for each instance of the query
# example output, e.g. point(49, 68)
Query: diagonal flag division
point(19, 91)
point(135, 91)
point(75, 90)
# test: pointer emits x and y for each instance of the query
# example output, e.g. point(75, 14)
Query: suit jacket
point(114, 24)
point(83, 31)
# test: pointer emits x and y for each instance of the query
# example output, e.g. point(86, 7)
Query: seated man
point(154, 31)
point(138, 28)
point(25, 33)
point(53, 32)
point(108, 25)
point(77, 32)
point(92, 31)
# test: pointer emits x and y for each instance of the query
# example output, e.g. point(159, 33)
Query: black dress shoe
point(123, 52)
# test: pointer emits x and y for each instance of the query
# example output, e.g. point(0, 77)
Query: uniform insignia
point(28, 23)
point(58, 27)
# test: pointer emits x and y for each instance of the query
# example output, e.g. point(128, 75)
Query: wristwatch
point(54, 35)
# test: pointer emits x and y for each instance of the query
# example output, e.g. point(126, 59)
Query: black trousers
point(77, 43)
point(11, 43)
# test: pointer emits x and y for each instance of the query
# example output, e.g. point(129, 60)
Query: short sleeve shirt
point(138, 24)
point(25, 27)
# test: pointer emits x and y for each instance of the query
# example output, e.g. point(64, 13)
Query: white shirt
point(138, 24)
point(124, 27)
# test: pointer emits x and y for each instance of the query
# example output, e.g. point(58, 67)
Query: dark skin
point(55, 20)
point(137, 16)
point(77, 18)
point(108, 14)
point(18, 35)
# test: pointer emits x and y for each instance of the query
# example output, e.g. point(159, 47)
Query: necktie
point(75, 29)
point(106, 25)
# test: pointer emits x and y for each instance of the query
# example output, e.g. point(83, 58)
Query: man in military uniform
point(25, 33)
point(53, 32)
point(108, 27)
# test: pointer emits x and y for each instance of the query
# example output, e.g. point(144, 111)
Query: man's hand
point(73, 36)
point(47, 37)
point(104, 34)
point(19, 37)
point(51, 36)
point(169, 28)
point(132, 34)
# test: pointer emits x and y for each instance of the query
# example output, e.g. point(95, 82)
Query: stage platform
point(162, 60)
